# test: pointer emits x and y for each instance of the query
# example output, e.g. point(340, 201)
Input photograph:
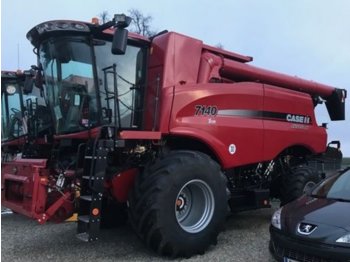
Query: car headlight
point(344, 239)
point(276, 218)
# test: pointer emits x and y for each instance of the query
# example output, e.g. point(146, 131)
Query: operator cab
point(23, 109)
point(90, 80)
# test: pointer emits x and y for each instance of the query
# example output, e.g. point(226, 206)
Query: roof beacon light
point(122, 20)
point(95, 21)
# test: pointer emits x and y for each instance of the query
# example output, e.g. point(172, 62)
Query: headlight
point(11, 89)
point(276, 218)
point(344, 239)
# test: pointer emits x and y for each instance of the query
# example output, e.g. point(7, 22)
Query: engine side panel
point(215, 114)
point(245, 123)
point(295, 125)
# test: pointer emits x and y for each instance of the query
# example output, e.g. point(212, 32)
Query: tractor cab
point(92, 77)
point(23, 110)
point(13, 119)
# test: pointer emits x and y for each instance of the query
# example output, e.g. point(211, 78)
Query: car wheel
point(179, 204)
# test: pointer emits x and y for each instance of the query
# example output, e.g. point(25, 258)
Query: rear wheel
point(298, 181)
point(179, 204)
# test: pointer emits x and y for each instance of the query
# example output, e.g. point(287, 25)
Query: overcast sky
point(307, 38)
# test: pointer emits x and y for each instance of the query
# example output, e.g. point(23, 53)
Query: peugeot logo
point(306, 229)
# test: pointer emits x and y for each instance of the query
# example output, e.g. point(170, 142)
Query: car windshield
point(336, 187)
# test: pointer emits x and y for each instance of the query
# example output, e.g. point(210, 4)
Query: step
point(86, 197)
point(84, 219)
point(83, 236)
point(88, 177)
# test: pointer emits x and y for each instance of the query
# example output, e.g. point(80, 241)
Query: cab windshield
point(67, 66)
point(88, 86)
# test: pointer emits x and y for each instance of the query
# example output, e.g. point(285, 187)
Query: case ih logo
point(298, 119)
point(266, 115)
point(306, 229)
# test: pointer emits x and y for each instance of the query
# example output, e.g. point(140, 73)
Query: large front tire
point(179, 204)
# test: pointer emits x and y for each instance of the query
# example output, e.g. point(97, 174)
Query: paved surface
point(245, 238)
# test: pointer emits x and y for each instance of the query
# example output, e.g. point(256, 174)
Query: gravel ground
point(245, 238)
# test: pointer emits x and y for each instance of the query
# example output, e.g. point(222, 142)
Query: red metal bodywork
point(147, 135)
point(26, 190)
point(187, 70)
point(254, 115)
point(80, 135)
point(14, 142)
point(121, 183)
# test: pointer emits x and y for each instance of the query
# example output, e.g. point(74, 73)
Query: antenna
point(18, 56)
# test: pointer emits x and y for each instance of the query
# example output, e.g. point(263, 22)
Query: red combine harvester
point(25, 126)
point(168, 130)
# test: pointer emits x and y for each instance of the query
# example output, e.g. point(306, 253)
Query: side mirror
point(39, 80)
point(120, 39)
point(28, 85)
point(336, 143)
